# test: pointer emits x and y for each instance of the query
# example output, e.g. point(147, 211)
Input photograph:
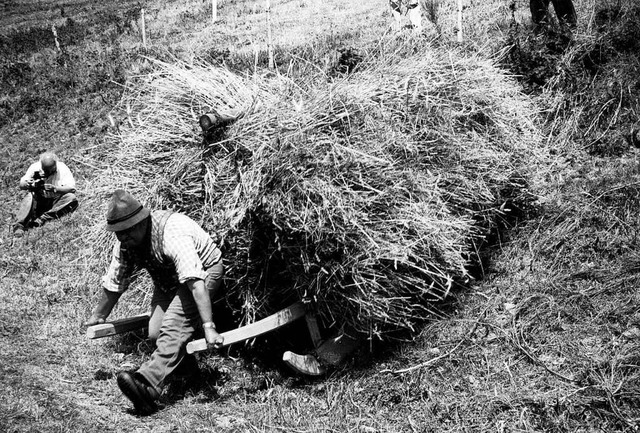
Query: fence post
point(269, 40)
point(144, 31)
point(459, 20)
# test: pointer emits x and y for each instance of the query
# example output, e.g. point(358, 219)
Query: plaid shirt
point(178, 250)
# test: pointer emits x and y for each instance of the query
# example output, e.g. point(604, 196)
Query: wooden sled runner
point(252, 330)
point(119, 326)
point(331, 351)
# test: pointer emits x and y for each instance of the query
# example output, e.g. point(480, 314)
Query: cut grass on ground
point(545, 342)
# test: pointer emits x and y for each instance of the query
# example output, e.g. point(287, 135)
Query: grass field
point(547, 338)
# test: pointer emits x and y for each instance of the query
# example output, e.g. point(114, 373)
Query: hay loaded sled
point(380, 188)
point(331, 351)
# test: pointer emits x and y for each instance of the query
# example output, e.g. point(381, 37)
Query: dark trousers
point(565, 11)
point(35, 206)
point(174, 320)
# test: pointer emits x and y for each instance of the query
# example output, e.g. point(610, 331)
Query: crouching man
point(185, 265)
point(51, 194)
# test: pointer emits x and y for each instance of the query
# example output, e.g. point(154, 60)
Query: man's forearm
point(105, 305)
point(201, 296)
point(65, 189)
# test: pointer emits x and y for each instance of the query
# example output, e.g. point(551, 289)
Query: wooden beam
point(314, 329)
point(303, 364)
point(252, 330)
point(118, 326)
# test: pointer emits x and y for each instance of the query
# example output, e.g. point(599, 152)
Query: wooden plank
point(314, 329)
point(118, 326)
point(268, 324)
point(303, 364)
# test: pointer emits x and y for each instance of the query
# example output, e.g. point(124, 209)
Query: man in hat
point(185, 265)
point(565, 11)
point(51, 194)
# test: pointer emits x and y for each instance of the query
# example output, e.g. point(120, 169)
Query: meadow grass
point(543, 342)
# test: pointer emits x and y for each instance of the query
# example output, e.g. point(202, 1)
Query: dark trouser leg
point(178, 325)
point(565, 12)
point(395, 11)
point(539, 10)
point(26, 211)
point(179, 322)
point(62, 205)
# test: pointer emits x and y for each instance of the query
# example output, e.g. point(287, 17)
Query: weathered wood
point(314, 329)
point(118, 326)
point(303, 364)
point(268, 324)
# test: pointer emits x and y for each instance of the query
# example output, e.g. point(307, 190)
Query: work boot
point(136, 389)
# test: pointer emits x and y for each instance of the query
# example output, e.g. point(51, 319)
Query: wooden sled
point(331, 352)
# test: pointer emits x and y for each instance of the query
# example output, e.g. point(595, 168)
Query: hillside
point(545, 334)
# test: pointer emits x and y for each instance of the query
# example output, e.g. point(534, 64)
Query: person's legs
point(60, 206)
point(135, 386)
point(415, 14)
point(539, 11)
point(395, 5)
point(565, 11)
point(159, 303)
point(25, 212)
point(395, 11)
point(178, 326)
point(179, 321)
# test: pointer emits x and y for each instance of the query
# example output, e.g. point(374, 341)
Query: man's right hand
point(212, 338)
point(93, 320)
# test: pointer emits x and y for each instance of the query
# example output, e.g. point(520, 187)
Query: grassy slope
point(537, 345)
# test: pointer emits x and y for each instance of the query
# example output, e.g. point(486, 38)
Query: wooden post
point(144, 32)
point(459, 20)
point(214, 11)
point(55, 37)
point(269, 40)
point(256, 54)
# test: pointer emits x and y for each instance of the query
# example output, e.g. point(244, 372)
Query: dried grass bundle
point(370, 192)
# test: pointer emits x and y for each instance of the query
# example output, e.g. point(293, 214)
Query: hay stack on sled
point(371, 192)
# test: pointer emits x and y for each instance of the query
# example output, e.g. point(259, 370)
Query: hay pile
point(371, 192)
